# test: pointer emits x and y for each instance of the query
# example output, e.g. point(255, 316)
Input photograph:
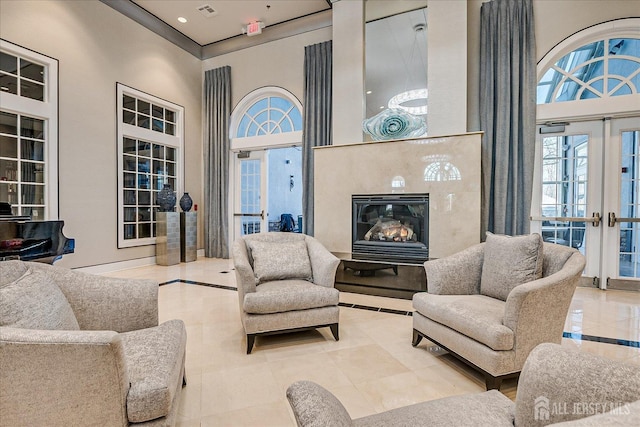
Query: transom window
point(150, 146)
point(605, 68)
point(21, 77)
point(141, 113)
point(270, 115)
point(28, 132)
point(267, 117)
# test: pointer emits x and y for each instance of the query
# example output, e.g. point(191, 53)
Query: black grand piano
point(26, 240)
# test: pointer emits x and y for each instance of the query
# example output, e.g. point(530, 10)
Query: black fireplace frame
point(404, 252)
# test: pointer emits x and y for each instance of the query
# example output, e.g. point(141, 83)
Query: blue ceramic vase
point(166, 199)
point(186, 202)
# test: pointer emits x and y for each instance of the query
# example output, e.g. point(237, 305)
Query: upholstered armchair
point(558, 386)
point(78, 349)
point(491, 304)
point(285, 283)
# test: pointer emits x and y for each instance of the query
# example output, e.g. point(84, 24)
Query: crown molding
point(304, 24)
point(155, 24)
point(271, 33)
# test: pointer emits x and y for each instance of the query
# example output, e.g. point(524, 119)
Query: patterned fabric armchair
point(492, 303)
point(78, 349)
point(285, 283)
point(558, 386)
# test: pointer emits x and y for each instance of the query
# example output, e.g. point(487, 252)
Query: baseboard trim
point(124, 265)
point(119, 265)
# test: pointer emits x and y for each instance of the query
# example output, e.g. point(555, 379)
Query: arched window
point(593, 72)
point(266, 117)
point(601, 69)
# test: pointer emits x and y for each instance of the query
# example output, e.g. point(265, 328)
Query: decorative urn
point(166, 199)
point(186, 202)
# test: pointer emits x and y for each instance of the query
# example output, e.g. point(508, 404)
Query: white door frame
point(235, 196)
point(594, 188)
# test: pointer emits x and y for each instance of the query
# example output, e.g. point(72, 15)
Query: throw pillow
point(280, 260)
point(509, 262)
point(34, 301)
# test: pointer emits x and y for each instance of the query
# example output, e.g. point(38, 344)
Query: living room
point(97, 49)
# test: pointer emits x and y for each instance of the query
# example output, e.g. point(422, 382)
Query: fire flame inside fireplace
point(390, 231)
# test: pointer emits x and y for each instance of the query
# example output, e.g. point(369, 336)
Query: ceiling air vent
point(207, 10)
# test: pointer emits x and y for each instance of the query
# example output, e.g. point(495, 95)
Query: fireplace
point(391, 227)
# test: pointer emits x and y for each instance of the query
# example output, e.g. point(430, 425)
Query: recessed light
point(182, 19)
point(368, 92)
point(382, 107)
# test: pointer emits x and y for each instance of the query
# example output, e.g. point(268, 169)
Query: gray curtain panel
point(317, 119)
point(507, 114)
point(217, 108)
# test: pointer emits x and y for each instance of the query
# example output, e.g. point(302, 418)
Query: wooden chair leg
point(334, 331)
point(492, 383)
point(416, 338)
point(251, 338)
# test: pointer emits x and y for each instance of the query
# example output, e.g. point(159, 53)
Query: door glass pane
point(629, 206)
point(285, 189)
point(250, 181)
point(564, 189)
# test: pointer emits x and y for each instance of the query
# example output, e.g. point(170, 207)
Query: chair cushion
point(476, 316)
point(280, 260)
point(509, 262)
point(34, 301)
point(155, 360)
point(288, 295)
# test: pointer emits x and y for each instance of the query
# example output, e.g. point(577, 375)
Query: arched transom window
point(269, 115)
point(605, 68)
point(266, 117)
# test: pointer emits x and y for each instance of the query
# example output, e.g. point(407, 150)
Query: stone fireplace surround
point(445, 167)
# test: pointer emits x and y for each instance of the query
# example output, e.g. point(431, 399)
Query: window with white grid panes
point(150, 144)
point(22, 164)
point(28, 132)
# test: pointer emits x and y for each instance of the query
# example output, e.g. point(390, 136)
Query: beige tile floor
point(371, 369)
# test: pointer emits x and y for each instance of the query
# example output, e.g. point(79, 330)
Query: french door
point(267, 191)
point(587, 196)
point(250, 204)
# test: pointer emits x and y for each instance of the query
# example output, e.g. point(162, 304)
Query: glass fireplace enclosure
point(391, 227)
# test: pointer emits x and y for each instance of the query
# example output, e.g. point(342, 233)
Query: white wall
point(447, 58)
point(279, 63)
point(348, 71)
point(97, 47)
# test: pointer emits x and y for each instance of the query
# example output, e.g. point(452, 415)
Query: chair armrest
point(573, 383)
point(62, 377)
point(107, 303)
point(323, 263)
point(245, 277)
point(314, 406)
point(457, 274)
point(536, 311)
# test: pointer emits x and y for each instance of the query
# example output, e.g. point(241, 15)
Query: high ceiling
point(230, 16)
point(396, 53)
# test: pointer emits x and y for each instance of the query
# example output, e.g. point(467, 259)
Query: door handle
point(261, 214)
point(594, 220)
point(613, 219)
